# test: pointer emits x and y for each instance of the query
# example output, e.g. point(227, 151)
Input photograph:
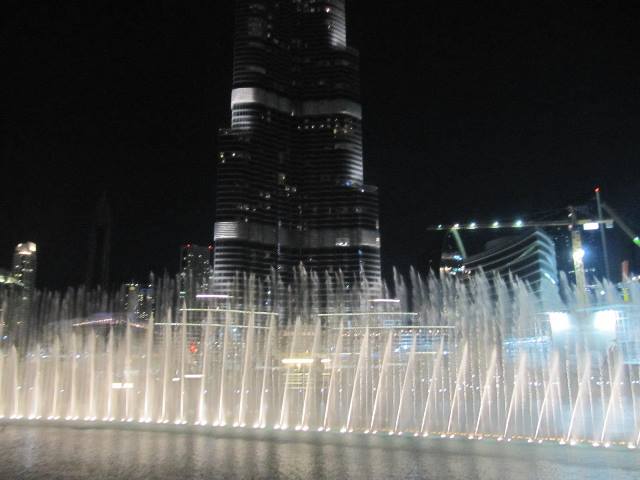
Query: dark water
point(42, 452)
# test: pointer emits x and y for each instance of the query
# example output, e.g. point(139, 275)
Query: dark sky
point(470, 112)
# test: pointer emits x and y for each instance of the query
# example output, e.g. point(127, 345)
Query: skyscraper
point(24, 265)
point(23, 271)
point(195, 270)
point(99, 246)
point(291, 185)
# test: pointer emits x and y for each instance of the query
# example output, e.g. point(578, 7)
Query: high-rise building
point(291, 185)
point(8, 289)
point(195, 270)
point(24, 266)
point(23, 272)
point(97, 274)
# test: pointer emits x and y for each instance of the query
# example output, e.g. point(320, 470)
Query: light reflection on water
point(67, 453)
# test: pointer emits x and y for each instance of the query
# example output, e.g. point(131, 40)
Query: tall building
point(98, 262)
point(8, 288)
point(23, 272)
point(195, 270)
point(291, 185)
point(24, 265)
point(137, 302)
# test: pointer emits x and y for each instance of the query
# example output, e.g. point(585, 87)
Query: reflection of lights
point(560, 321)
point(213, 295)
point(386, 300)
point(578, 254)
point(193, 375)
point(606, 320)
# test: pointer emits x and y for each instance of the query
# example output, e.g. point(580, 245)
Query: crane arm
point(635, 238)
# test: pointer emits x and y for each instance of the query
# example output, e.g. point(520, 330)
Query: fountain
point(481, 359)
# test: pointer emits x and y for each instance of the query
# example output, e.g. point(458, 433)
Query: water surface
point(49, 452)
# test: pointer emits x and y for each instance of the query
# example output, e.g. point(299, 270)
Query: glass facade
point(290, 186)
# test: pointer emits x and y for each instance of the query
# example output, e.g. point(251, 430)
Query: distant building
point(23, 278)
point(24, 265)
point(137, 303)
point(99, 245)
point(530, 256)
point(146, 303)
point(195, 270)
point(130, 301)
point(7, 280)
point(8, 286)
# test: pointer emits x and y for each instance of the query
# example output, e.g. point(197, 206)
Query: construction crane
point(572, 223)
point(635, 238)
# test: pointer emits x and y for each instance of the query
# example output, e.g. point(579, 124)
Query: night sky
point(470, 113)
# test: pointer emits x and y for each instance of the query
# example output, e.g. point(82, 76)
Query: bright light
point(518, 223)
point(386, 300)
point(606, 320)
point(297, 361)
point(193, 375)
point(457, 225)
point(636, 240)
point(122, 386)
point(560, 321)
point(495, 224)
point(591, 226)
point(578, 254)
point(473, 225)
point(213, 295)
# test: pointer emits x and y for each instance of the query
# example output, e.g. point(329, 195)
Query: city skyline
point(450, 101)
point(320, 239)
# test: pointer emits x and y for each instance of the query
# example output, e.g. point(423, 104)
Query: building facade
point(20, 303)
point(291, 187)
point(530, 256)
point(195, 270)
